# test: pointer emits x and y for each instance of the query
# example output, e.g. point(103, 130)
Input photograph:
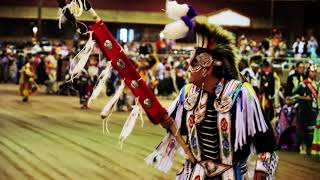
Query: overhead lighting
point(161, 35)
point(35, 30)
point(124, 35)
point(229, 18)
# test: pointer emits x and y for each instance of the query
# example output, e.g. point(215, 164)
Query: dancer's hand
point(260, 175)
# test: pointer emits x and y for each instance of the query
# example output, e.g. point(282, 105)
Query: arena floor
point(50, 137)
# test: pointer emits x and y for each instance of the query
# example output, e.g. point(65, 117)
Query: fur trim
point(175, 10)
point(176, 30)
point(183, 14)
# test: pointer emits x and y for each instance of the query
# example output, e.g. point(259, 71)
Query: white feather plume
point(176, 11)
point(129, 124)
point(104, 75)
point(62, 18)
point(175, 30)
point(80, 60)
point(107, 110)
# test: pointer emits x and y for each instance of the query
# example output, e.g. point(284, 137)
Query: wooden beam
point(117, 16)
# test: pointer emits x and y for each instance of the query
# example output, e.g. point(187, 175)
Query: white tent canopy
point(229, 18)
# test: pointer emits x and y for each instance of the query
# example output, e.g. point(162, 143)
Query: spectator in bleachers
point(294, 79)
point(161, 46)
point(12, 67)
point(296, 49)
point(315, 149)
point(312, 43)
point(20, 62)
point(180, 74)
point(306, 110)
point(267, 90)
point(250, 72)
point(4, 67)
point(51, 71)
point(166, 87)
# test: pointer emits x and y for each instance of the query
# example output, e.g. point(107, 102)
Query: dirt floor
point(50, 137)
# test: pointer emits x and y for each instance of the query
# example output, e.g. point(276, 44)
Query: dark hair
point(308, 71)
point(298, 63)
point(265, 63)
point(229, 68)
point(151, 61)
point(244, 62)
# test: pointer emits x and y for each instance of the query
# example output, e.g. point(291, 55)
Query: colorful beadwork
point(194, 143)
point(191, 121)
point(191, 101)
point(225, 136)
point(224, 124)
point(225, 144)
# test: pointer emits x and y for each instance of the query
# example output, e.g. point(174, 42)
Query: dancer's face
point(199, 64)
point(197, 78)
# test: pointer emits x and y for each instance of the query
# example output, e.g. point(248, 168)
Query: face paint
point(200, 59)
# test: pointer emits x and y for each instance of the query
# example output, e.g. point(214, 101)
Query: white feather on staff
point(75, 7)
point(62, 18)
point(104, 75)
point(129, 124)
point(107, 110)
point(80, 60)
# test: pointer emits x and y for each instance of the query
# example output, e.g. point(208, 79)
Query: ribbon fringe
point(249, 116)
point(163, 156)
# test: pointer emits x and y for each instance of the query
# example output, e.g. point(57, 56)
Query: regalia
point(222, 128)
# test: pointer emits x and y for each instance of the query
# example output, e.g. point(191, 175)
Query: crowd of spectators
point(164, 68)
